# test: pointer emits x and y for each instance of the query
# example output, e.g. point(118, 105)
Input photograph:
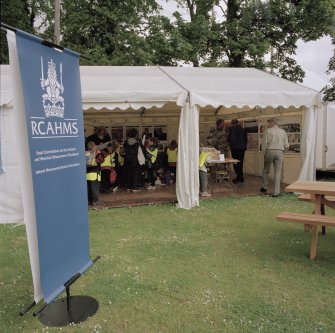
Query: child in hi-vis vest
point(152, 153)
point(93, 161)
point(172, 153)
point(203, 174)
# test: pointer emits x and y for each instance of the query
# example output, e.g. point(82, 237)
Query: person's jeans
point(151, 176)
point(276, 157)
point(203, 181)
point(93, 191)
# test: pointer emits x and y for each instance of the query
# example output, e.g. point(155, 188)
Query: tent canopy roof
point(241, 87)
point(126, 87)
point(135, 87)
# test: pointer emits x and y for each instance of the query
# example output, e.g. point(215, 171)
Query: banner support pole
point(37, 312)
point(25, 310)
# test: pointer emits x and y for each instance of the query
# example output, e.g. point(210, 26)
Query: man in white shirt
point(274, 143)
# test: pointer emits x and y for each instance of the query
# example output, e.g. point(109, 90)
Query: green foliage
point(18, 14)
point(226, 266)
point(244, 32)
point(34, 16)
point(235, 33)
point(110, 32)
point(329, 90)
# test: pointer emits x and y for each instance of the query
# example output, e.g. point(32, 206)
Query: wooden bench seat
point(307, 197)
point(328, 221)
point(311, 219)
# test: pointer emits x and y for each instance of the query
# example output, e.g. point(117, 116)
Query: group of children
point(102, 168)
point(109, 167)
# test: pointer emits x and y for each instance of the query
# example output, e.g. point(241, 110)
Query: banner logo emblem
point(53, 102)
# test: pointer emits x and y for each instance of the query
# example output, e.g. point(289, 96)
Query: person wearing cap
point(219, 138)
point(274, 143)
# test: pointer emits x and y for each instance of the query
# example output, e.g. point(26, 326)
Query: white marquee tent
point(126, 88)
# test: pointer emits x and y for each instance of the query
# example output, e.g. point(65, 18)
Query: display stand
point(64, 311)
point(72, 309)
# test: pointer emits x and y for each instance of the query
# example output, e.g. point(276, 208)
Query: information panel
point(53, 117)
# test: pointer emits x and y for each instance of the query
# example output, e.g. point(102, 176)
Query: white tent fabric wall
point(11, 207)
point(308, 145)
point(329, 135)
point(21, 149)
point(187, 185)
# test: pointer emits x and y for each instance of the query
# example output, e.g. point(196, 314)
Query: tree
point(243, 32)
point(112, 32)
point(28, 15)
point(329, 90)
point(18, 14)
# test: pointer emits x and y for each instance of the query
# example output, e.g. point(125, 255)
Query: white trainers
point(115, 188)
point(151, 187)
point(205, 194)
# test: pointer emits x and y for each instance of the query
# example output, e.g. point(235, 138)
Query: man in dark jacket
point(237, 140)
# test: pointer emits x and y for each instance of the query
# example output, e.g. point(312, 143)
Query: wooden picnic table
point(318, 190)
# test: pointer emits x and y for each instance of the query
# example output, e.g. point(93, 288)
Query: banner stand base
point(64, 311)
point(58, 313)
point(72, 309)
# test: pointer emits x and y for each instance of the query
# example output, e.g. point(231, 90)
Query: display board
point(48, 111)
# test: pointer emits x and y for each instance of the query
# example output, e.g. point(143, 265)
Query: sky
point(313, 57)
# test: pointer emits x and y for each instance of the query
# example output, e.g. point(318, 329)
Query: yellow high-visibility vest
point(92, 176)
point(172, 155)
point(153, 155)
point(202, 159)
point(108, 162)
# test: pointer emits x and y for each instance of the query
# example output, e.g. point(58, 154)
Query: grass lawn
point(226, 266)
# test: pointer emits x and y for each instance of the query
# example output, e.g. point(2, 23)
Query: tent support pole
point(217, 110)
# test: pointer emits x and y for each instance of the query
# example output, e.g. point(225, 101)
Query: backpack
point(112, 176)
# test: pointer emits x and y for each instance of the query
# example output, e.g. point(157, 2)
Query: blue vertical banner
point(51, 90)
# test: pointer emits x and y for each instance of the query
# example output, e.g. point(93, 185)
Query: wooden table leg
point(323, 212)
point(314, 243)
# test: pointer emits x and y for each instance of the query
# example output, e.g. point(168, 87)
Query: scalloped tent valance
point(127, 87)
point(241, 87)
point(124, 87)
